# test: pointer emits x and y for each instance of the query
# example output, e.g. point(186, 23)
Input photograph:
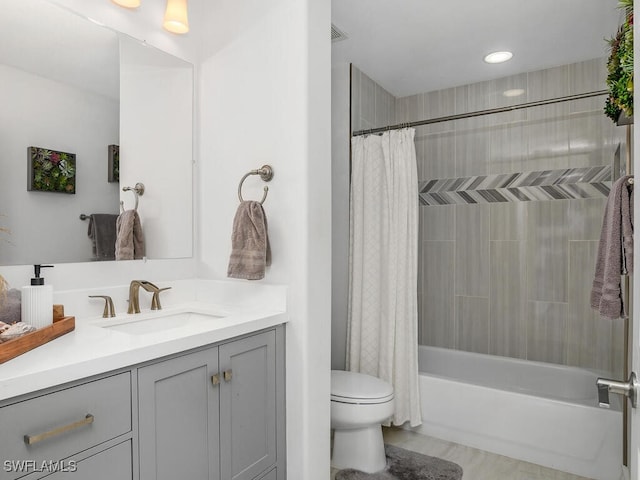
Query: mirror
point(76, 87)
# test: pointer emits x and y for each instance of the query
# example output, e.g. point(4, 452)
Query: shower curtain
point(383, 257)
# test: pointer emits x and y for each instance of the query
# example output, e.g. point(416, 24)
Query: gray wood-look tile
point(549, 83)
point(547, 332)
point(547, 250)
point(507, 299)
point(439, 104)
point(472, 250)
point(385, 107)
point(547, 137)
point(438, 223)
point(355, 99)
point(508, 148)
point(508, 221)
point(506, 87)
point(589, 337)
point(411, 108)
point(587, 141)
point(436, 293)
point(436, 154)
point(367, 98)
point(617, 347)
point(585, 219)
point(472, 147)
point(588, 76)
point(472, 324)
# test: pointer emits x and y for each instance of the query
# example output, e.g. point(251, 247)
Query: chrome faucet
point(134, 295)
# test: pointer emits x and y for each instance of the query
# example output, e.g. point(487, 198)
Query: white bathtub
point(538, 412)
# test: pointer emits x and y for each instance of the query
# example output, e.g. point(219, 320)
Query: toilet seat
point(359, 388)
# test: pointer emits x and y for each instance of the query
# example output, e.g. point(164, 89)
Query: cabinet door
point(178, 418)
point(248, 406)
point(111, 464)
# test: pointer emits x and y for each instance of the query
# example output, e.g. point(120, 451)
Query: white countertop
point(92, 349)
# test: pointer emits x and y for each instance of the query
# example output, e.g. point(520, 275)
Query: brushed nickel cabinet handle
point(227, 375)
point(31, 439)
point(215, 379)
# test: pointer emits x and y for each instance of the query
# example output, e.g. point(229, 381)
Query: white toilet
point(359, 404)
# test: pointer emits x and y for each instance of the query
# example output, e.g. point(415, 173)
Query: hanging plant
point(620, 67)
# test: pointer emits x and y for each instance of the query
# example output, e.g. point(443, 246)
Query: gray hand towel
point(102, 232)
point(129, 237)
point(615, 251)
point(250, 249)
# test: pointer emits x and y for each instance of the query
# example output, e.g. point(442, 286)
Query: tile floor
point(476, 464)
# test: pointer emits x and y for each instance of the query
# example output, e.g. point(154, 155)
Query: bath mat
point(406, 465)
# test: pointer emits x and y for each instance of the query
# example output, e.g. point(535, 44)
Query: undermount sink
point(160, 323)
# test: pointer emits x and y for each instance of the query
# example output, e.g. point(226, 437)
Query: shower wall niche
point(507, 261)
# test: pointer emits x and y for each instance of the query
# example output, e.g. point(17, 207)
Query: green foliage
point(53, 171)
point(620, 67)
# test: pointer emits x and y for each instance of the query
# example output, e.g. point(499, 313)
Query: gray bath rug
point(405, 465)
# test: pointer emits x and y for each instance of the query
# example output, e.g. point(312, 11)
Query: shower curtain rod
point(479, 113)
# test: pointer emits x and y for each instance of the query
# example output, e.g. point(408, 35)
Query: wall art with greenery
point(51, 171)
point(620, 67)
point(114, 164)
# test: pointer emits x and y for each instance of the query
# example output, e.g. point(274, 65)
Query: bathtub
point(537, 412)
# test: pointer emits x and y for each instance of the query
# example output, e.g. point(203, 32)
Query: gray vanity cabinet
point(52, 432)
point(212, 414)
point(248, 406)
point(178, 418)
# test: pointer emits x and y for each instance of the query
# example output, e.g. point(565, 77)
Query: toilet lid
point(352, 387)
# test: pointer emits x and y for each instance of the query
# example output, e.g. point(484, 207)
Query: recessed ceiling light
point(498, 57)
point(514, 92)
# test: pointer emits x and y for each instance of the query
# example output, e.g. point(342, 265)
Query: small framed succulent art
point(114, 164)
point(51, 171)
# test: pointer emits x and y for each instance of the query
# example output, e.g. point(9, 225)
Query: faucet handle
point(109, 309)
point(148, 286)
point(155, 300)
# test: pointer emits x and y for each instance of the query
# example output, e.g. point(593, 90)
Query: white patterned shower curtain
point(383, 257)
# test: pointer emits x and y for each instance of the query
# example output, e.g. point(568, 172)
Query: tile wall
point(509, 278)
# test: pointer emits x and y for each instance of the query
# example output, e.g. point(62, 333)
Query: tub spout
point(606, 386)
point(603, 394)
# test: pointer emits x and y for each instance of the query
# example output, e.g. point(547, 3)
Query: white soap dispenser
point(37, 301)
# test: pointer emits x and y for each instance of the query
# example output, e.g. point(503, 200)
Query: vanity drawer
point(59, 424)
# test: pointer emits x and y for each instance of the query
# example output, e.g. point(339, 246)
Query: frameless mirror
point(74, 90)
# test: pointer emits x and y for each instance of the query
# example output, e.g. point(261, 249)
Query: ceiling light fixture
point(127, 3)
point(498, 57)
point(175, 17)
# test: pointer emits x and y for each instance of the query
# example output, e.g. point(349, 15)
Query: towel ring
point(266, 174)
point(138, 191)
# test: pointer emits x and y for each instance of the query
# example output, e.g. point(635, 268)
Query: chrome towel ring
point(266, 174)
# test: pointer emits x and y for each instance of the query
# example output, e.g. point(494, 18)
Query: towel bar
point(266, 174)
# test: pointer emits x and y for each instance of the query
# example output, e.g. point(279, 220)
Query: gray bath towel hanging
point(102, 232)
point(615, 251)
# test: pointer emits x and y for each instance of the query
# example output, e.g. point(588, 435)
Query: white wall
point(43, 113)
point(265, 90)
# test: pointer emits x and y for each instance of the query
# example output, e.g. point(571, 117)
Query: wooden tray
point(12, 348)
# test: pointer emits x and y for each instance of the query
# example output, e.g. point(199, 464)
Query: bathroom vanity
point(203, 401)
